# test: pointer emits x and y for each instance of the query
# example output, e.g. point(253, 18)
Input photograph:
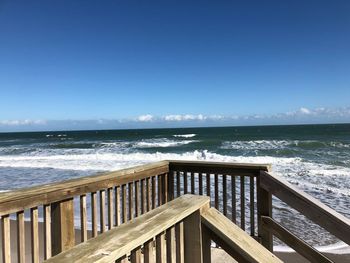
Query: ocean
point(315, 158)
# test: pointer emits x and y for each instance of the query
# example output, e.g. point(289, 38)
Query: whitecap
point(185, 135)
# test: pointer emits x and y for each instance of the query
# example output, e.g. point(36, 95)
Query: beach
point(314, 158)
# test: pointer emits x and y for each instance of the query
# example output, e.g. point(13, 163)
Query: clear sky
point(128, 63)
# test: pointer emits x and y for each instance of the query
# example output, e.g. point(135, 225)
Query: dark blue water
point(316, 158)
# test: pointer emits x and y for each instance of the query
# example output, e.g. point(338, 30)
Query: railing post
point(264, 202)
point(193, 246)
point(62, 226)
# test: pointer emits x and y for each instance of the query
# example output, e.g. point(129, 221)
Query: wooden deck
point(242, 193)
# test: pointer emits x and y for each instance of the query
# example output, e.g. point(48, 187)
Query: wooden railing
point(77, 210)
point(108, 200)
point(179, 231)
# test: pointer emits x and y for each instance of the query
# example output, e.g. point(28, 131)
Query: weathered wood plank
point(117, 219)
point(170, 245)
point(137, 198)
point(121, 240)
point(208, 184)
point(252, 207)
point(148, 252)
point(234, 240)
point(242, 192)
point(264, 203)
point(233, 199)
point(153, 192)
point(131, 200)
point(6, 239)
point(193, 238)
point(178, 184)
point(47, 232)
point(62, 226)
point(20, 237)
point(34, 216)
point(216, 191)
point(318, 212)
point(200, 183)
point(94, 213)
point(124, 206)
point(110, 207)
point(143, 196)
point(192, 183)
point(224, 194)
point(293, 241)
point(218, 167)
point(102, 211)
point(160, 248)
point(83, 218)
point(185, 182)
point(179, 239)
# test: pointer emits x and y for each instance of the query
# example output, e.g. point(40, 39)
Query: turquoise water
point(316, 158)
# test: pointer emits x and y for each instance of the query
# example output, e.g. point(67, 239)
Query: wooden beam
point(293, 241)
point(193, 238)
point(313, 209)
point(234, 240)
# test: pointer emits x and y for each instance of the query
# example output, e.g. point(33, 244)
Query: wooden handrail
point(22, 199)
point(118, 242)
point(293, 241)
point(313, 209)
point(234, 240)
point(218, 167)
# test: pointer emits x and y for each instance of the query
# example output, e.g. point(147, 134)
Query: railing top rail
point(24, 198)
point(219, 167)
point(119, 241)
point(234, 240)
point(315, 210)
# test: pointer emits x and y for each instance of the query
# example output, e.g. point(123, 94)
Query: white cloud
point(145, 118)
point(21, 122)
point(304, 110)
point(185, 117)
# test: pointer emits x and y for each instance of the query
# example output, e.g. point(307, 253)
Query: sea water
point(314, 158)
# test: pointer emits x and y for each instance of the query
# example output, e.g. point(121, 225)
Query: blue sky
point(80, 64)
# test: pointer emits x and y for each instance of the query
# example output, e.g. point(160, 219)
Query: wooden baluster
point(242, 203)
point(178, 184)
point(135, 255)
point(6, 239)
point(117, 219)
point(208, 184)
point(179, 239)
point(149, 194)
point(62, 226)
point(137, 190)
point(83, 219)
point(21, 257)
point(200, 179)
point(123, 259)
point(131, 200)
point(233, 198)
point(160, 248)
point(170, 245)
point(224, 194)
point(124, 207)
point(47, 232)
point(102, 211)
point(153, 192)
point(35, 234)
point(252, 215)
point(94, 213)
point(185, 182)
point(160, 191)
point(143, 194)
point(110, 207)
point(170, 188)
point(148, 252)
point(165, 188)
point(192, 183)
point(216, 185)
